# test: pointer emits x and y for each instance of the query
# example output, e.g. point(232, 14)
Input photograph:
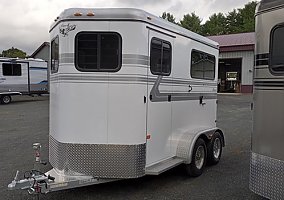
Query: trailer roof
point(21, 59)
point(128, 14)
point(269, 4)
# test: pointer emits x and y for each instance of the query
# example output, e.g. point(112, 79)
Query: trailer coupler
point(36, 182)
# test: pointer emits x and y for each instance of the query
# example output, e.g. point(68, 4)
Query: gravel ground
point(25, 121)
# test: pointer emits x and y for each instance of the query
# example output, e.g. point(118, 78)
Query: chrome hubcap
point(6, 99)
point(217, 148)
point(199, 157)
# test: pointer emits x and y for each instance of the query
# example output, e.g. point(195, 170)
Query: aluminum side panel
point(264, 23)
point(268, 123)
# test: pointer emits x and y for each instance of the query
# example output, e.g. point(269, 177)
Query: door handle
point(190, 88)
point(201, 102)
point(169, 98)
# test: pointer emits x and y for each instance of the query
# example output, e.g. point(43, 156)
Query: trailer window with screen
point(277, 50)
point(9, 69)
point(202, 65)
point(160, 57)
point(98, 51)
point(55, 55)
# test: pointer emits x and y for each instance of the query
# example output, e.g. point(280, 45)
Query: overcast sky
point(25, 23)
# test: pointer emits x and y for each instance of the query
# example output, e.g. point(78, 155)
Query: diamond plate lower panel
point(98, 160)
point(267, 176)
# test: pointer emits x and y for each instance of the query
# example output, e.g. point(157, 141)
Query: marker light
point(77, 14)
point(90, 14)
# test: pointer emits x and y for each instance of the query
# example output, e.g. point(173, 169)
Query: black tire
point(215, 152)
point(5, 99)
point(194, 169)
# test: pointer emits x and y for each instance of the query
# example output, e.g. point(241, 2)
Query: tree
point(14, 53)
point(216, 25)
point(168, 16)
point(191, 22)
point(247, 17)
point(242, 20)
point(233, 22)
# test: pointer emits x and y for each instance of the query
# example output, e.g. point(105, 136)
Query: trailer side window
point(160, 57)
point(277, 50)
point(202, 65)
point(9, 69)
point(55, 55)
point(97, 51)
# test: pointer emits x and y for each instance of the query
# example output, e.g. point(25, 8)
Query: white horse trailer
point(267, 156)
point(130, 95)
point(22, 76)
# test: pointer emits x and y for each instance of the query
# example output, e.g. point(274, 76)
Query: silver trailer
point(22, 77)
point(267, 155)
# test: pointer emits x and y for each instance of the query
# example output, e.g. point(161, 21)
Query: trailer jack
point(36, 182)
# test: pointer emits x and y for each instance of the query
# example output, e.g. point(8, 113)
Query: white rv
point(267, 156)
point(22, 76)
point(130, 95)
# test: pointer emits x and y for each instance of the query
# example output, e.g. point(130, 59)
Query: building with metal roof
point(236, 61)
point(42, 52)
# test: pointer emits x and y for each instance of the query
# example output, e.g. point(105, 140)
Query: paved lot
point(25, 121)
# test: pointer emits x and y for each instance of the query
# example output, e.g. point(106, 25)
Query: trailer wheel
point(214, 149)
point(198, 161)
point(6, 99)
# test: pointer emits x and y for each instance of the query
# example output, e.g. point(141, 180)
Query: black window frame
point(271, 66)
point(52, 69)
point(202, 52)
point(99, 69)
point(171, 52)
point(12, 69)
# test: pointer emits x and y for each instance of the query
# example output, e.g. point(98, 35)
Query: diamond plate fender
point(187, 140)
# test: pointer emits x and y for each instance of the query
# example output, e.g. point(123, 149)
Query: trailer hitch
point(37, 182)
point(34, 181)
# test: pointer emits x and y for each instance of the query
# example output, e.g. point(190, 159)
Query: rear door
point(159, 120)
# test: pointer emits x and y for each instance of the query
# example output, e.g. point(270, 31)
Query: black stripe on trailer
point(269, 83)
point(262, 59)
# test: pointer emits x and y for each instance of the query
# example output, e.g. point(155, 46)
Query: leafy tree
point(14, 53)
point(216, 25)
point(191, 22)
point(168, 16)
point(233, 21)
point(242, 20)
point(247, 17)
